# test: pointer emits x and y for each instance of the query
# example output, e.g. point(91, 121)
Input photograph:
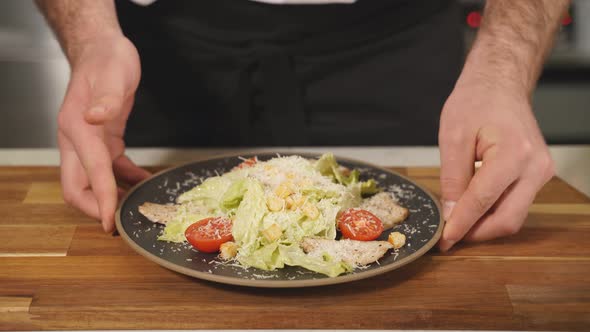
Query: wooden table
point(58, 270)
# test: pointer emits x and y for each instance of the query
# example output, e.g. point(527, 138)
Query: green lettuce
point(210, 192)
point(243, 199)
point(233, 196)
point(328, 166)
point(294, 255)
point(174, 231)
point(369, 187)
point(253, 217)
point(247, 222)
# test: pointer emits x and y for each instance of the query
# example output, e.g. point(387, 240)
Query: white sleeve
point(144, 2)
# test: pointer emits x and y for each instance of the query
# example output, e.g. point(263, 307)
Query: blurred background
point(34, 74)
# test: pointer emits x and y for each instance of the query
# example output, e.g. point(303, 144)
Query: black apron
point(243, 73)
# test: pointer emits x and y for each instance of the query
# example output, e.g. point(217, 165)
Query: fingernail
point(445, 245)
point(448, 209)
point(97, 110)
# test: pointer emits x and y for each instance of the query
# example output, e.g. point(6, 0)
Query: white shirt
point(278, 2)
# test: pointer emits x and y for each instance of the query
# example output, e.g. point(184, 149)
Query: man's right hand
point(104, 78)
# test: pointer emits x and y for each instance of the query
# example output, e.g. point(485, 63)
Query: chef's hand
point(496, 126)
point(105, 75)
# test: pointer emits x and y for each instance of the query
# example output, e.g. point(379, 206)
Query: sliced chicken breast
point(158, 213)
point(385, 208)
point(162, 213)
point(356, 253)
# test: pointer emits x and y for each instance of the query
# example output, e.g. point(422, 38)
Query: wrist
point(79, 48)
point(482, 69)
point(504, 62)
point(78, 22)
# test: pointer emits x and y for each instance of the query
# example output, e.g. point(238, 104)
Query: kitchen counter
point(58, 270)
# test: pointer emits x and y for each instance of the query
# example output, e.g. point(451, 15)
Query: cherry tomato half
point(209, 234)
point(247, 163)
point(359, 224)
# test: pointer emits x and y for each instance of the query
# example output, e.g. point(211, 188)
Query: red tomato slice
point(247, 163)
point(209, 234)
point(358, 224)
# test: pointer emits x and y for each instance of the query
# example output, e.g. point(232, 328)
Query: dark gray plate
point(422, 228)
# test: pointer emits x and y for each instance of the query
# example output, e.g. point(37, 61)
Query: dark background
point(34, 74)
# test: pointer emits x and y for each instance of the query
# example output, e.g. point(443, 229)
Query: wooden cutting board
point(58, 270)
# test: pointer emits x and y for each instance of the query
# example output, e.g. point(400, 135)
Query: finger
point(128, 172)
point(488, 184)
point(509, 215)
point(87, 203)
point(74, 181)
point(457, 155)
point(87, 142)
point(96, 159)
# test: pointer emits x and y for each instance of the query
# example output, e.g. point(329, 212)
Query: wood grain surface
point(58, 270)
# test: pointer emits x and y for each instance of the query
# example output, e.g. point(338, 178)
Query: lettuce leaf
point(174, 230)
point(252, 217)
point(247, 223)
point(210, 192)
point(234, 194)
point(369, 187)
point(295, 256)
point(328, 166)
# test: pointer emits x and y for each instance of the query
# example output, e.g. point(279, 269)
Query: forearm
point(77, 21)
point(513, 42)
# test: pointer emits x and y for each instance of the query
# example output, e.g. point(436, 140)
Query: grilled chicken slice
point(385, 208)
point(161, 213)
point(355, 253)
point(158, 213)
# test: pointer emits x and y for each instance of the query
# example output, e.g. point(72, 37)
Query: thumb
point(109, 89)
point(103, 108)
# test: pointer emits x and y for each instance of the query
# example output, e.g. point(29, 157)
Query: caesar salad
point(286, 211)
